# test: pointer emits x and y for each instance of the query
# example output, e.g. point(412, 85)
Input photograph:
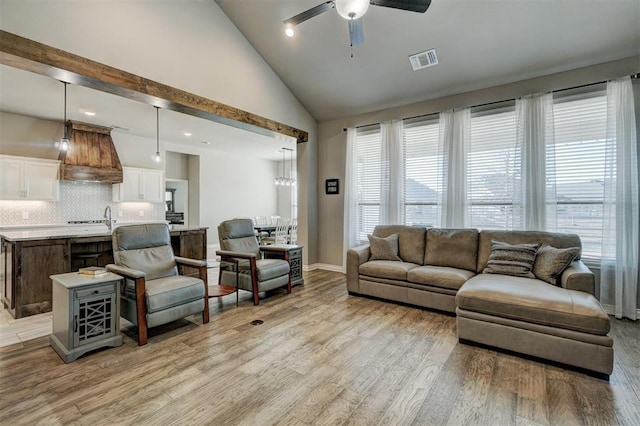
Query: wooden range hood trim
point(30, 55)
point(91, 156)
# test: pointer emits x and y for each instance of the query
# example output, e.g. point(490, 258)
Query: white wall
point(188, 44)
point(176, 166)
point(231, 186)
point(332, 137)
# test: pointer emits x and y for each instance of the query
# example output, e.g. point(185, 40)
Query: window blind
point(369, 169)
point(423, 172)
point(494, 167)
point(580, 133)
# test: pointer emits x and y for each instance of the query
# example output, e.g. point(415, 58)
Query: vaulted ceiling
point(479, 44)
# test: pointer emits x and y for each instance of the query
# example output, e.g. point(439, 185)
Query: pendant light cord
point(64, 123)
point(157, 130)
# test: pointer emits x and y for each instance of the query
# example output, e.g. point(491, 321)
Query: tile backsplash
point(78, 201)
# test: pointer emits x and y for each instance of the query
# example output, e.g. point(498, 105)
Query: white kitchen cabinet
point(140, 185)
point(23, 178)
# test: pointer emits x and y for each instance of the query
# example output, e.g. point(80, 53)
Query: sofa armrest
point(578, 277)
point(356, 256)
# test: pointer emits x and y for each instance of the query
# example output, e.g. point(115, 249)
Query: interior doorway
point(182, 183)
point(177, 201)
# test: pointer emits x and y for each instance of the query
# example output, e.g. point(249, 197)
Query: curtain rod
point(494, 102)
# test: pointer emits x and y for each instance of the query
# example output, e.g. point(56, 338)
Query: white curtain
point(455, 127)
point(392, 178)
point(619, 269)
point(350, 231)
point(535, 197)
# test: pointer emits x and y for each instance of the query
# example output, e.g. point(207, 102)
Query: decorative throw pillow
point(508, 259)
point(384, 248)
point(551, 262)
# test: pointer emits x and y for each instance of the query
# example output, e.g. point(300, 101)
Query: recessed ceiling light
point(206, 142)
point(187, 133)
point(89, 113)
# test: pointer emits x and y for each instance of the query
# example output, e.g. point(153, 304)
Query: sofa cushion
point(516, 260)
point(384, 248)
point(457, 248)
point(534, 301)
point(551, 262)
point(519, 237)
point(439, 276)
point(411, 241)
point(387, 269)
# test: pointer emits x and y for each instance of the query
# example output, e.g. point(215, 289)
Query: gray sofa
point(442, 269)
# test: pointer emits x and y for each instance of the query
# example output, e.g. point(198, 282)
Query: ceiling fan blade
point(356, 32)
point(419, 6)
point(308, 14)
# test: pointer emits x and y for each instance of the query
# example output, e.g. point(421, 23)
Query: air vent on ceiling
point(423, 59)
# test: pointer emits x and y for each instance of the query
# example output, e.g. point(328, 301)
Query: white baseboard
point(325, 267)
point(611, 310)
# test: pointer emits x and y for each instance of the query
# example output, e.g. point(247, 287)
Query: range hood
point(91, 155)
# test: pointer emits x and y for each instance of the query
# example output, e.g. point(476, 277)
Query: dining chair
point(293, 232)
point(282, 231)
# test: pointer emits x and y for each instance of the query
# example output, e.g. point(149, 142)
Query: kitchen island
point(30, 256)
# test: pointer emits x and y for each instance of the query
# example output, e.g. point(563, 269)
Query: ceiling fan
point(353, 10)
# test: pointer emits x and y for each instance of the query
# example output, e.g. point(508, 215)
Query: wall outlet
point(141, 213)
point(25, 215)
point(120, 213)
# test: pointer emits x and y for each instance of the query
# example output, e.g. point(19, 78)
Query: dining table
point(268, 228)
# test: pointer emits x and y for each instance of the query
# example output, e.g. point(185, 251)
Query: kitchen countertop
point(48, 232)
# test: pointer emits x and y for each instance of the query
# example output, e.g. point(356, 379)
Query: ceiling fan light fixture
point(352, 9)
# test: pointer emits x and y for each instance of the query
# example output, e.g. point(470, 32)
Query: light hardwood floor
point(320, 357)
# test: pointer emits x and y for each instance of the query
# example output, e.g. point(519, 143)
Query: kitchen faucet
point(107, 216)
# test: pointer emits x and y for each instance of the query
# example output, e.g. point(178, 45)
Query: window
point(580, 132)
point(493, 169)
point(369, 170)
point(423, 172)
point(575, 163)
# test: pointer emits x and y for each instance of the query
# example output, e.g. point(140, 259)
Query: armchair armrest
point(132, 274)
point(238, 254)
point(139, 279)
point(578, 277)
point(280, 252)
point(356, 256)
point(194, 263)
point(274, 249)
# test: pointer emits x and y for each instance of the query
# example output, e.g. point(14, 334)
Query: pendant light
point(63, 145)
point(291, 178)
point(280, 180)
point(156, 157)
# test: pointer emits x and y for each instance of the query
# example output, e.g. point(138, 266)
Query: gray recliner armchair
point(244, 260)
point(153, 293)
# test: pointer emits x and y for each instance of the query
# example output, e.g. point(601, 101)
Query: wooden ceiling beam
point(29, 55)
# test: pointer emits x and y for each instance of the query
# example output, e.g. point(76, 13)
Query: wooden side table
point(295, 261)
point(86, 313)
